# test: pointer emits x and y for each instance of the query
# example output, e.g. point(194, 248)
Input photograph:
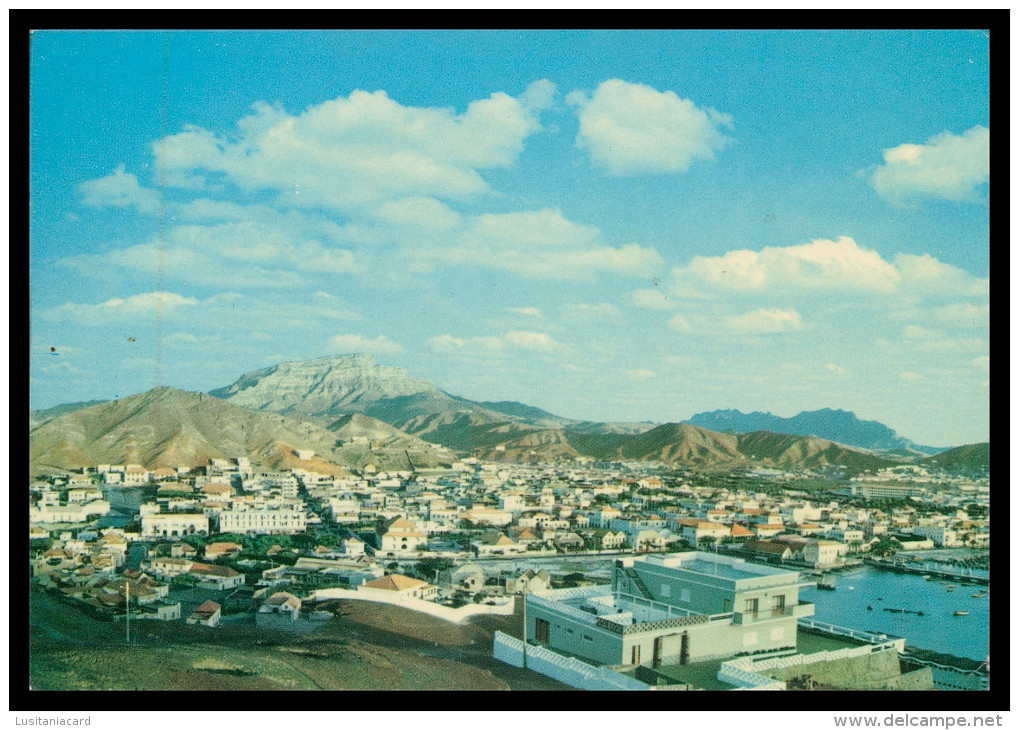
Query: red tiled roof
point(395, 582)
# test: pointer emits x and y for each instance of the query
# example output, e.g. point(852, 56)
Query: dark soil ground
point(365, 647)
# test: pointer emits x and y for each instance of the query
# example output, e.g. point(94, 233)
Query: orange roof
point(222, 547)
point(206, 609)
point(224, 571)
point(740, 531)
point(395, 582)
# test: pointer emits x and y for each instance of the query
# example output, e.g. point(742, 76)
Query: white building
point(283, 519)
point(174, 524)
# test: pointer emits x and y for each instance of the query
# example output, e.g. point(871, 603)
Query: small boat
point(961, 613)
point(979, 595)
point(870, 608)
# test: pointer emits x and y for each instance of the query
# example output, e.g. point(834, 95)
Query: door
point(541, 631)
point(635, 654)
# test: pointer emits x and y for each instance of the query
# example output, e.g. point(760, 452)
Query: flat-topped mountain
point(327, 388)
point(836, 425)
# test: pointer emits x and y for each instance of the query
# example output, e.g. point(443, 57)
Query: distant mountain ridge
point(836, 425)
point(352, 411)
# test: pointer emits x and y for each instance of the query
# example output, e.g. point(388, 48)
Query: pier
point(899, 567)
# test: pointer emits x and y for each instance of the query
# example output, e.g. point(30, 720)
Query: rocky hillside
point(168, 427)
point(328, 388)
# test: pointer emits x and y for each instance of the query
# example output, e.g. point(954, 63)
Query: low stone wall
point(453, 615)
point(567, 670)
point(872, 667)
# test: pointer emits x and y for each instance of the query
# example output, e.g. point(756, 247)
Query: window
point(665, 590)
point(777, 605)
point(684, 595)
point(750, 606)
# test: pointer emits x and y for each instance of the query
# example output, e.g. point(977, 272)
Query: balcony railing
point(803, 608)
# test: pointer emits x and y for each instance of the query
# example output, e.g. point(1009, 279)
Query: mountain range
point(834, 425)
point(352, 411)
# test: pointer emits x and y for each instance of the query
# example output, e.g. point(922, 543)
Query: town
point(624, 575)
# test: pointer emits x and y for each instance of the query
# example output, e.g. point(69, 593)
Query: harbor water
point(937, 629)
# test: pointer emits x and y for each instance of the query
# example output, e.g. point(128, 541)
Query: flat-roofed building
point(672, 609)
point(283, 519)
point(174, 524)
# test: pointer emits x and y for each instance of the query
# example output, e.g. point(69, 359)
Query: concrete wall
point(871, 668)
point(454, 615)
point(567, 670)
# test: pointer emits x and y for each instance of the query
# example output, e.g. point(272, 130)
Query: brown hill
point(804, 452)
point(679, 444)
point(169, 427)
point(970, 458)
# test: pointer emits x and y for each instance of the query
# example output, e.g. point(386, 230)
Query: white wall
point(567, 670)
point(454, 615)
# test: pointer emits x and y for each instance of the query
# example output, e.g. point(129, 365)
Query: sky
point(609, 225)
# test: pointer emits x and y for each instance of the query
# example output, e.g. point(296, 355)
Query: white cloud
point(947, 166)
point(755, 322)
point(264, 249)
point(763, 321)
point(417, 211)
point(538, 228)
point(120, 189)
point(597, 311)
point(446, 343)
point(681, 323)
point(633, 129)
point(824, 266)
point(651, 299)
point(525, 340)
point(984, 363)
point(835, 369)
point(507, 341)
point(819, 265)
point(525, 311)
point(639, 374)
point(350, 343)
point(364, 148)
point(910, 377)
point(962, 314)
point(541, 244)
point(926, 275)
point(158, 302)
point(923, 339)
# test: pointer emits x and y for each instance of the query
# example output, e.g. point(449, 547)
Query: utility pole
point(525, 623)
point(127, 606)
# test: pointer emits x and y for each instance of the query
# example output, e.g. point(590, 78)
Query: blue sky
point(610, 225)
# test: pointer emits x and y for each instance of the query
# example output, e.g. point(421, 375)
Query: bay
point(938, 629)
